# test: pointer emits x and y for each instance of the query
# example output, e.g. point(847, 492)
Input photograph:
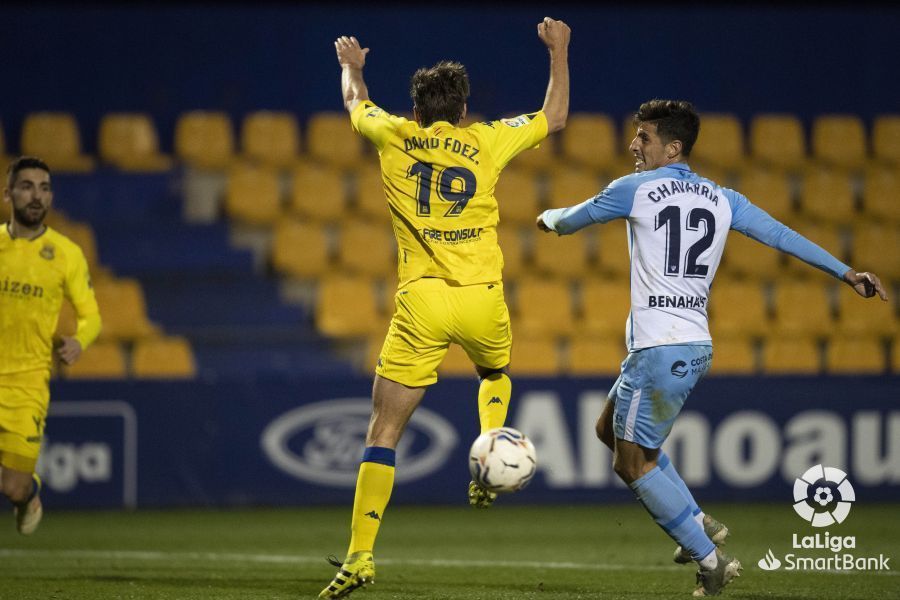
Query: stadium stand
point(791, 356)
point(590, 140)
point(102, 360)
point(301, 249)
point(854, 356)
point(513, 247)
point(205, 139)
point(881, 194)
point(839, 141)
point(777, 141)
point(129, 142)
point(271, 138)
point(518, 197)
point(734, 356)
point(55, 138)
point(886, 139)
point(720, 144)
point(533, 297)
point(562, 256)
point(330, 139)
point(591, 356)
point(318, 192)
point(163, 358)
point(253, 194)
point(827, 197)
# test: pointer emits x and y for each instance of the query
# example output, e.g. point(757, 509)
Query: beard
point(28, 217)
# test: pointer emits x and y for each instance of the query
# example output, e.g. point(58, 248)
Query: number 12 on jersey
point(670, 218)
point(426, 174)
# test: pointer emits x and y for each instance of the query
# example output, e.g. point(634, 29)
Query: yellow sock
point(493, 400)
point(373, 490)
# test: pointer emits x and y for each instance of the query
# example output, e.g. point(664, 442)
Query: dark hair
point(675, 120)
point(439, 93)
point(23, 162)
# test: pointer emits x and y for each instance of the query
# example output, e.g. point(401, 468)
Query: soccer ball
point(502, 460)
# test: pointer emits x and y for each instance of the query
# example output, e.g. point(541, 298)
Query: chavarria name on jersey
point(677, 224)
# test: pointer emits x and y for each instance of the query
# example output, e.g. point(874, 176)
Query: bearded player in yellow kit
point(439, 183)
point(38, 267)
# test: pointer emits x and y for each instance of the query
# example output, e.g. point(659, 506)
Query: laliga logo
point(823, 496)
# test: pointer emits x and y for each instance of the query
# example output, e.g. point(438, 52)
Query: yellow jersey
point(439, 183)
point(35, 276)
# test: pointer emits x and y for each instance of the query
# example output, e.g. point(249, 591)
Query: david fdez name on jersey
point(448, 144)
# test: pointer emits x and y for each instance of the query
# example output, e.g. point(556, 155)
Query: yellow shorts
point(22, 414)
point(432, 313)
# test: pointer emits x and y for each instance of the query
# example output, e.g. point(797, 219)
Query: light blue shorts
point(652, 388)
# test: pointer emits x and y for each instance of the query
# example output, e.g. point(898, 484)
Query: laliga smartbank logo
point(823, 497)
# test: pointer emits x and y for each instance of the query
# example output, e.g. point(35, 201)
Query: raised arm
point(555, 34)
point(352, 59)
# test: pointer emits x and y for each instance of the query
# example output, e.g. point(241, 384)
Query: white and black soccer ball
point(502, 460)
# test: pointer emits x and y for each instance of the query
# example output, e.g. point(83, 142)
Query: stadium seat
point(518, 197)
point(790, 356)
point(205, 140)
point(537, 159)
point(318, 193)
point(300, 249)
point(366, 249)
point(745, 257)
point(612, 249)
point(839, 141)
point(590, 140)
point(330, 138)
point(456, 363)
point(510, 238)
point(253, 194)
point(777, 141)
point(877, 248)
point(535, 356)
point(886, 139)
point(720, 143)
point(572, 185)
point(826, 236)
point(590, 356)
point(854, 356)
point(346, 307)
point(272, 138)
point(370, 201)
point(733, 356)
point(770, 190)
point(123, 310)
point(737, 310)
point(563, 256)
point(862, 317)
point(83, 235)
point(101, 360)
point(543, 307)
point(802, 309)
point(54, 137)
point(129, 142)
point(163, 358)
point(604, 308)
point(826, 196)
point(881, 194)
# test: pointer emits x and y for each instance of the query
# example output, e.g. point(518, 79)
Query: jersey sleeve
point(757, 224)
point(508, 137)
point(80, 292)
point(614, 202)
point(374, 123)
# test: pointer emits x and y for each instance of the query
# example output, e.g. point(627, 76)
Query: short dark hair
point(440, 93)
point(675, 120)
point(21, 163)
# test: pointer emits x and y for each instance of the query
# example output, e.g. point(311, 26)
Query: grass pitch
point(441, 553)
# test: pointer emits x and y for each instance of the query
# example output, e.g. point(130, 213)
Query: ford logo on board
point(324, 442)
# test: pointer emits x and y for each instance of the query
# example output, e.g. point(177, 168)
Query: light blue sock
point(665, 465)
point(671, 511)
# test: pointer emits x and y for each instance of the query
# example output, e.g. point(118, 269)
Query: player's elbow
point(556, 122)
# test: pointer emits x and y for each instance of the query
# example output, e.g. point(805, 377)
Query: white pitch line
point(151, 555)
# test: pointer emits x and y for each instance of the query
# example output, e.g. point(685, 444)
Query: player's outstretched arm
point(865, 284)
point(555, 35)
point(352, 59)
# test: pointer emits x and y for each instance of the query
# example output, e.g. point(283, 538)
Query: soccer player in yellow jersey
point(38, 267)
point(439, 182)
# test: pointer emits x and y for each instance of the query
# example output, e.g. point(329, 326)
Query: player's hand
point(541, 225)
point(69, 350)
point(349, 53)
point(866, 284)
point(555, 34)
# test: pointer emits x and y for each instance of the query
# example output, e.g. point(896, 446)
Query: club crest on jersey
point(47, 252)
point(516, 122)
point(374, 112)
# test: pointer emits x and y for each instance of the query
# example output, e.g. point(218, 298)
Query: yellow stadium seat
point(572, 185)
point(330, 138)
point(163, 358)
point(101, 360)
point(720, 143)
point(366, 249)
point(877, 248)
point(826, 236)
point(272, 138)
point(347, 307)
point(534, 356)
point(865, 317)
point(253, 194)
point(886, 139)
point(517, 197)
point(881, 194)
point(318, 193)
point(123, 309)
point(129, 141)
point(802, 309)
point(794, 356)
point(855, 356)
point(537, 159)
point(770, 190)
point(839, 141)
point(300, 249)
point(544, 307)
point(371, 202)
point(612, 249)
point(777, 140)
point(205, 139)
point(737, 310)
point(54, 137)
point(560, 255)
point(604, 308)
point(589, 356)
point(746, 257)
point(83, 235)
point(456, 363)
point(827, 196)
point(513, 248)
point(733, 356)
point(590, 140)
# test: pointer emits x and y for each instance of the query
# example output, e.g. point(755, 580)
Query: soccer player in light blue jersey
point(677, 224)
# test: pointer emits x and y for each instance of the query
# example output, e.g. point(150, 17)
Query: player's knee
point(627, 471)
point(17, 491)
point(485, 372)
point(604, 432)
